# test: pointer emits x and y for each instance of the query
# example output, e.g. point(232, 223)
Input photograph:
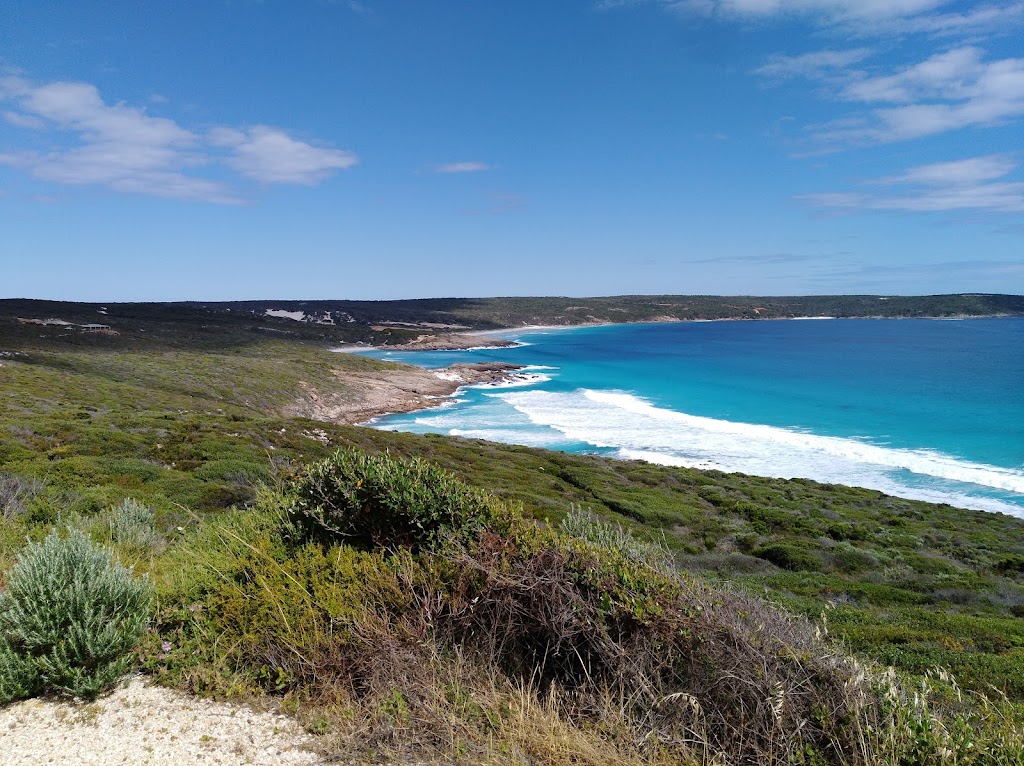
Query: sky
point(382, 149)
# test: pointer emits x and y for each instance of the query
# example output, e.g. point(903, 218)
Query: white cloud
point(956, 173)
point(869, 18)
point(949, 91)
point(125, 149)
point(974, 184)
point(828, 9)
point(462, 167)
point(813, 65)
point(976, 20)
point(23, 120)
point(270, 155)
point(946, 75)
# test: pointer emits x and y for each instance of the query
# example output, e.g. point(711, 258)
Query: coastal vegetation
point(459, 599)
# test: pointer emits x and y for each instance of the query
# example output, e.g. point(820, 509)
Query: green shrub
point(69, 619)
point(244, 472)
point(588, 527)
point(131, 524)
point(17, 675)
point(788, 556)
point(848, 559)
point(356, 497)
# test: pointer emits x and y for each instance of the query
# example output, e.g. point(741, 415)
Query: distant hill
point(219, 324)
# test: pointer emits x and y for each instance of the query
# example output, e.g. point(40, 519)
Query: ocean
point(924, 409)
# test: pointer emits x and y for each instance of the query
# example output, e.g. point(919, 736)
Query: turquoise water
point(923, 409)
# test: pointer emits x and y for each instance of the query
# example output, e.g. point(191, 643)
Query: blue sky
point(384, 149)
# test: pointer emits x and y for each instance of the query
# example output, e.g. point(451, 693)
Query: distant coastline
point(481, 339)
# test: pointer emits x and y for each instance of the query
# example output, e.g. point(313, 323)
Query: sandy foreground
point(143, 724)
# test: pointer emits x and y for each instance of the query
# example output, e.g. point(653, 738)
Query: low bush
point(69, 619)
point(356, 497)
point(16, 492)
point(588, 527)
point(795, 558)
point(131, 524)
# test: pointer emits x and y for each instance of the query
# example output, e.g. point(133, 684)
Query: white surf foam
point(490, 419)
point(515, 380)
point(636, 427)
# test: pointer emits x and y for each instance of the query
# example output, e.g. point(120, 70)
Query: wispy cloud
point(830, 9)
point(461, 167)
point(815, 65)
point(357, 7)
point(949, 91)
point(271, 156)
point(762, 258)
point(125, 149)
point(885, 276)
point(498, 203)
point(869, 18)
point(23, 120)
point(983, 19)
point(976, 184)
point(957, 173)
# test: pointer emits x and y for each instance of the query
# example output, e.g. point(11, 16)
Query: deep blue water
point(918, 408)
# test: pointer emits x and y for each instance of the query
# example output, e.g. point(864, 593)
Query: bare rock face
point(486, 369)
point(356, 397)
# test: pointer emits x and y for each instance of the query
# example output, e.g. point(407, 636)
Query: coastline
point(677, 320)
point(436, 342)
point(366, 396)
point(414, 388)
point(495, 338)
point(410, 403)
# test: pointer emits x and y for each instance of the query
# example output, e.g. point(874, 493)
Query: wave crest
point(634, 426)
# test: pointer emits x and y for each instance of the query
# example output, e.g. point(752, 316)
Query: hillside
point(189, 410)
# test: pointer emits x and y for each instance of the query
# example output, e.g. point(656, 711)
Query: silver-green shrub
point(131, 524)
point(69, 619)
point(578, 523)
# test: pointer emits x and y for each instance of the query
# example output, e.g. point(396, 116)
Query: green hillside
point(189, 417)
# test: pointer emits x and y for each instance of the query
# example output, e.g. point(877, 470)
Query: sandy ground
point(142, 725)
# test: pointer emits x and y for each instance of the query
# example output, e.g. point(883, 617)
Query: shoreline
point(416, 388)
point(398, 391)
point(482, 339)
point(677, 320)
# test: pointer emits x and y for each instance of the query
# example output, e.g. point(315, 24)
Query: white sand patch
point(143, 725)
point(298, 316)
